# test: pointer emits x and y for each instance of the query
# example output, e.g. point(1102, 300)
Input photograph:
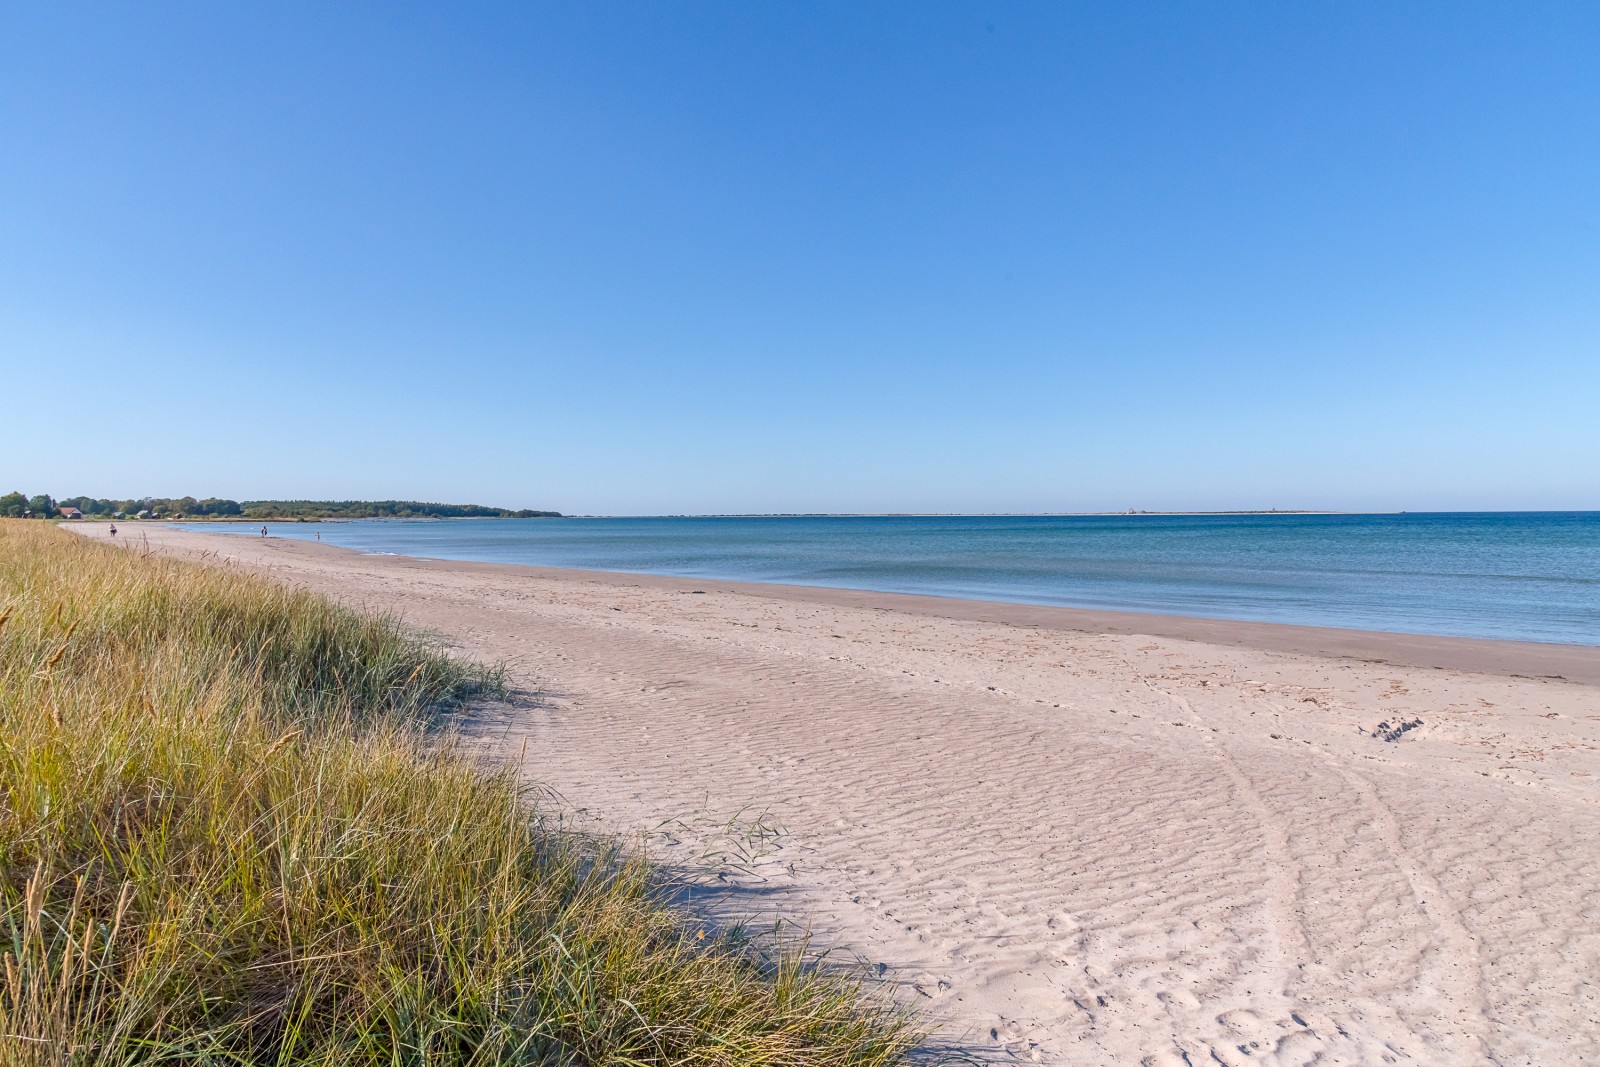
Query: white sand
point(1078, 847)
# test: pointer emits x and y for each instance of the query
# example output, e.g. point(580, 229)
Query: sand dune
point(1075, 846)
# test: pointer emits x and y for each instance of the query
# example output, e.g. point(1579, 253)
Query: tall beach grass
point(227, 836)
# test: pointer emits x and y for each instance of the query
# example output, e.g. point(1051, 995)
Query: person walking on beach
point(263, 531)
point(113, 529)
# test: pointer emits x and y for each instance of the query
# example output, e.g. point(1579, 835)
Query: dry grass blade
point(55, 657)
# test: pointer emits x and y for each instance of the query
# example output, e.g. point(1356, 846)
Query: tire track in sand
point(1456, 966)
point(1285, 923)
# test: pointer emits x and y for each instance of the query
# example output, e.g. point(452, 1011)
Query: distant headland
point(19, 505)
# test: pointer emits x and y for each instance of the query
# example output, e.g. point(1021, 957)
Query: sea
point(1530, 576)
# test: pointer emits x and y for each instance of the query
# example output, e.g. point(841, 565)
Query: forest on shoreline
point(17, 505)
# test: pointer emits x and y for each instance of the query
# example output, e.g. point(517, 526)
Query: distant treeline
point(18, 505)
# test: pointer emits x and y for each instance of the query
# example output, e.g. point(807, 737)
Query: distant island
point(18, 505)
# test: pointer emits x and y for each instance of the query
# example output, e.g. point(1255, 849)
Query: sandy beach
point(1071, 837)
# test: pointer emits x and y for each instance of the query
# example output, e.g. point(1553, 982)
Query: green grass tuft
point(227, 837)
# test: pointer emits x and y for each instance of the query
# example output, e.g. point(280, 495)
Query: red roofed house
point(70, 513)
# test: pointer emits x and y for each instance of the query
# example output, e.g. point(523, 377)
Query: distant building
point(142, 515)
point(70, 513)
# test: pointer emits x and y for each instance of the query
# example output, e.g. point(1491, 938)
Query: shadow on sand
point(726, 873)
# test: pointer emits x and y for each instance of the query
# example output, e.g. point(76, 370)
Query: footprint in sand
point(1168, 1058)
point(1063, 924)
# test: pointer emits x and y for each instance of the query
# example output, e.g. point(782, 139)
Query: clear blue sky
point(644, 258)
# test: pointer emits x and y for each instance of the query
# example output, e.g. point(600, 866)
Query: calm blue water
point(1530, 576)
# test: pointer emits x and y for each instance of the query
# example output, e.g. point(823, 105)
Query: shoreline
point(1516, 659)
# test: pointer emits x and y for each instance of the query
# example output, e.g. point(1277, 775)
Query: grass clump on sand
point(225, 838)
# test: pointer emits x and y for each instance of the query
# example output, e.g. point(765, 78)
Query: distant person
point(319, 535)
point(113, 529)
point(263, 531)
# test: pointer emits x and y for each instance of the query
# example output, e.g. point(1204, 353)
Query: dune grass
point(228, 836)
